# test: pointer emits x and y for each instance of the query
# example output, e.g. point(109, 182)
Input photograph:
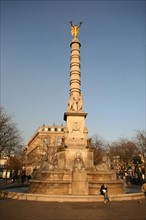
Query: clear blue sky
point(35, 59)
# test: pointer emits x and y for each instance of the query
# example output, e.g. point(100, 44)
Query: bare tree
point(141, 141)
point(10, 137)
point(43, 152)
point(98, 146)
point(14, 163)
point(124, 149)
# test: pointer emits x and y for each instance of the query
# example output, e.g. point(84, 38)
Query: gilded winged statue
point(75, 29)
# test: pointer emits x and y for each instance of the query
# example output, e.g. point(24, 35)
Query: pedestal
point(80, 183)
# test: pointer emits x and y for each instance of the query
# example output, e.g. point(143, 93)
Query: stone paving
point(32, 210)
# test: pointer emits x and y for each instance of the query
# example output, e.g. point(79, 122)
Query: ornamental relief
point(76, 127)
point(75, 103)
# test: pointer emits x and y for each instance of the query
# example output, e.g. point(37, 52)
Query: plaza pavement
point(35, 210)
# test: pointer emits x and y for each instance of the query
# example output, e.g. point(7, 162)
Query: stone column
point(75, 81)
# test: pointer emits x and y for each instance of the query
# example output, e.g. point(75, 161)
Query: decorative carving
point(70, 103)
point(75, 103)
point(48, 161)
point(80, 102)
point(104, 165)
point(76, 126)
point(78, 162)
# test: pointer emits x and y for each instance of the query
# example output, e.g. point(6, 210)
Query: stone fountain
point(70, 169)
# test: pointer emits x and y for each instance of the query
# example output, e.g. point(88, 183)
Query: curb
point(68, 198)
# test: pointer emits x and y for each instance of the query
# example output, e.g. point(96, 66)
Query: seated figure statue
point(104, 165)
point(78, 162)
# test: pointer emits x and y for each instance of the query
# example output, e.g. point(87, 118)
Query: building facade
point(45, 142)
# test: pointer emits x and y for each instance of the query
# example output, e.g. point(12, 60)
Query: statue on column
point(75, 29)
point(70, 103)
point(75, 103)
point(80, 102)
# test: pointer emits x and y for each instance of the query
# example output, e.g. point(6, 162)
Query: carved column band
point(75, 81)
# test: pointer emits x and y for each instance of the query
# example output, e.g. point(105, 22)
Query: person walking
point(104, 192)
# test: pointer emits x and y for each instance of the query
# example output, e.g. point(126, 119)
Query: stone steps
point(68, 198)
